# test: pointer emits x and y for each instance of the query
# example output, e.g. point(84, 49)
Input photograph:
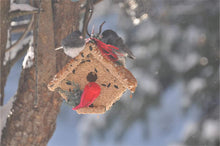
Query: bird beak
point(59, 48)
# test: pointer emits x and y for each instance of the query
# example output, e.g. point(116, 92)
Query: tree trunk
point(4, 24)
point(32, 121)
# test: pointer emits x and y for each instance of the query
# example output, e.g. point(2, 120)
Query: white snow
point(192, 35)
point(16, 23)
point(149, 29)
point(9, 55)
point(210, 130)
point(28, 59)
point(169, 35)
point(177, 144)
point(183, 63)
point(195, 85)
point(146, 81)
point(21, 7)
point(8, 38)
point(140, 52)
point(5, 112)
point(190, 129)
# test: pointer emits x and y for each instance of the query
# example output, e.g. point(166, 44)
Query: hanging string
point(36, 57)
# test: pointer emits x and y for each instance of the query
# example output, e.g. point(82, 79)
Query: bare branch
point(4, 24)
point(24, 34)
point(9, 65)
point(19, 54)
point(19, 28)
point(100, 28)
point(87, 17)
point(15, 14)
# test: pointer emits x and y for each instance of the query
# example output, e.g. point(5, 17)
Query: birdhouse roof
point(118, 71)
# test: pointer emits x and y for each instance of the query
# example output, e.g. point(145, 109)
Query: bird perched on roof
point(73, 44)
point(111, 37)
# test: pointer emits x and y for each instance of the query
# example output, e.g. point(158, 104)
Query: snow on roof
point(21, 7)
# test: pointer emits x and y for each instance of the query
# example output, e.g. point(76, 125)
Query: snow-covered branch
point(5, 112)
point(21, 7)
point(13, 50)
point(17, 10)
point(10, 55)
point(29, 58)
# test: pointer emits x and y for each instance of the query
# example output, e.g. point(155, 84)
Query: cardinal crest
point(91, 83)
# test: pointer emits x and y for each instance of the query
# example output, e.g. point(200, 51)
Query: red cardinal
point(109, 51)
point(90, 93)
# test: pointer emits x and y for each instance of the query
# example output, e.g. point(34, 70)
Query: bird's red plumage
point(90, 93)
point(109, 51)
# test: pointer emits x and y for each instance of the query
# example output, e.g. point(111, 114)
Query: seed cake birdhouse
point(91, 68)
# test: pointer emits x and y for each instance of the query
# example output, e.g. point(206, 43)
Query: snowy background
point(176, 102)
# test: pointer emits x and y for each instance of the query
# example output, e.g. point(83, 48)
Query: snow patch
point(140, 52)
point(210, 130)
point(8, 38)
point(176, 144)
point(169, 34)
point(5, 112)
point(16, 23)
point(146, 81)
point(183, 63)
point(150, 30)
point(9, 55)
point(28, 59)
point(192, 35)
point(189, 130)
point(21, 7)
point(195, 85)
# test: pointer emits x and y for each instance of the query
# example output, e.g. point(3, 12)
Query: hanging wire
point(87, 17)
point(100, 28)
point(36, 57)
point(90, 11)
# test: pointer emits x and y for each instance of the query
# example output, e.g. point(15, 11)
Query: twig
point(18, 13)
point(100, 28)
point(87, 17)
point(19, 54)
point(19, 28)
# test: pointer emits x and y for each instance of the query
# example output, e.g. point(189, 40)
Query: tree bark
point(4, 24)
point(33, 123)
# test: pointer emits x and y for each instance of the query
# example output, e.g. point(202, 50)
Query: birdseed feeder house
point(91, 66)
